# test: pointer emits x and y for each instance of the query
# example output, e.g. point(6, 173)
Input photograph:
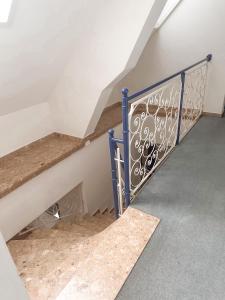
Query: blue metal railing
point(112, 147)
point(125, 141)
point(147, 89)
point(125, 111)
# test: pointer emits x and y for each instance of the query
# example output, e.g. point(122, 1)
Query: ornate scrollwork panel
point(153, 123)
point(194, 93)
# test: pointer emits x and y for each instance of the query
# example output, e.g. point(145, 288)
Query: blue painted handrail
point(125, 141)
point(125, 111)
point(147, 89)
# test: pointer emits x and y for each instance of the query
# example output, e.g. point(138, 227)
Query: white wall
point(69, 53)
point(108, 48)
point(34, 48)
point(193, 30)
point(24, 126)
point(11, 286)
point(89, 166)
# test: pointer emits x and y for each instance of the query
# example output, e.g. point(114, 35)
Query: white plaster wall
point(11, 286)
point(89, 166)
point(193, 30)
point(24, 126)
point(108, 48)
point(34, 48)
point(69, 53)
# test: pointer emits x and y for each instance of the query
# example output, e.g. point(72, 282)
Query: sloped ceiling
point(34, 47)
point(69, 53)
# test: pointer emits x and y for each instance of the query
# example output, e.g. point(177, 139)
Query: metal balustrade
point(154, 120)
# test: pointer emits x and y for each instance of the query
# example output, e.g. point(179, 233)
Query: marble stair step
point(95, 217)
point(29, 249)
point(98, 223)
point(110, 213)
point(46, 266)
point(48, 258)
point(65, 226)
point(56, 233)
point(107, 216)
point(102, 274)
point(92, 268)
point(97, 228)
point(90, 225)
point(86, 227)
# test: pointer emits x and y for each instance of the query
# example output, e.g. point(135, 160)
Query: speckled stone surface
point(101, 275)
point(47, 258)
point(24, 164)
point(110, 117)
point(18, 167)
point(77, 262)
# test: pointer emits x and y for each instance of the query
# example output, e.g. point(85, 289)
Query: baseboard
point(209, 114)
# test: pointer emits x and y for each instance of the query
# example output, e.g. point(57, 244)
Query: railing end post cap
point(209, 57)
point(111, 131)
point(125, 92)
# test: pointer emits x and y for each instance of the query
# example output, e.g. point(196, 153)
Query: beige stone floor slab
point(46, 266)
point(79, 263)
point(101, 275)
point(47, 258)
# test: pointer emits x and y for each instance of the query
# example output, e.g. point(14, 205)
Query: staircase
point(46, 259)
point(87, 259)
point(29, 173)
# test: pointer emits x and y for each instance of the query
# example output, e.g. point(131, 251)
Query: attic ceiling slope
point(110, 45)
point(34, 47)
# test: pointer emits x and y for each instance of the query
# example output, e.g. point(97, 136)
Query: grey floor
point(185, 258)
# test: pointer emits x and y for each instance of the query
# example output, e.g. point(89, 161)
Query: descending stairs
point(47, 258)
point(33, 170)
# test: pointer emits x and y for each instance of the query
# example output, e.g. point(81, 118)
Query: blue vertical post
point(180, 107)
point(209, 57)
point(112, 148)
point(126, 145)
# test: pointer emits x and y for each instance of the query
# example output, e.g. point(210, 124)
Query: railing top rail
point(137, 94)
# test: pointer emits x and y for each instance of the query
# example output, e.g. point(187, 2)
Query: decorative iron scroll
point(194, 94)
point(153, 122)
point(152, 126)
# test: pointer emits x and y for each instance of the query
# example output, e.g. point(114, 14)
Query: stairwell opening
point(69, 208)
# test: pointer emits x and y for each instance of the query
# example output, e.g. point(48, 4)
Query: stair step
point(65, 226)
point(88, 224)
point(47, 259)
point(106, 216)
point(56, 234)
point(84, 227)
point(100, 221)
point(46, 265)
point(28, 248)
point(104, 271)
point(71, 268)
